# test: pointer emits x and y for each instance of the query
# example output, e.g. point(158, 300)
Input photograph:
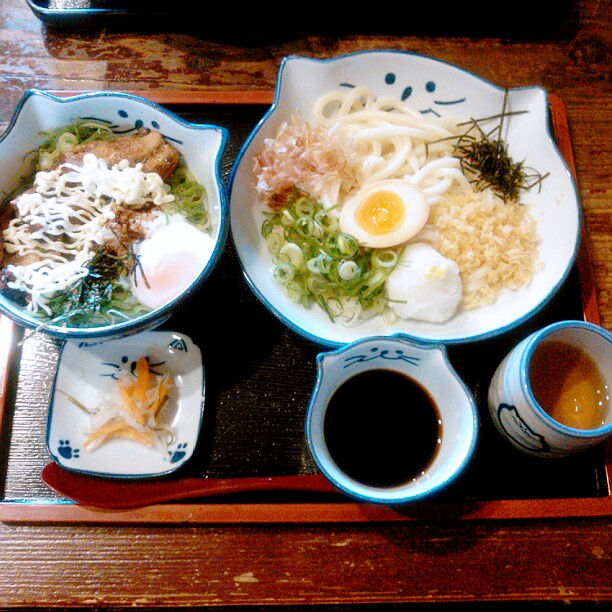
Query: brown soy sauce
point(382, 428)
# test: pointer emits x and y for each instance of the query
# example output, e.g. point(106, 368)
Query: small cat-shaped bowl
point(88, 370)
point(389, 420)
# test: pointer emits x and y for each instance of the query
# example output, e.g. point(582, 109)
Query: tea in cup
point(389, 420)
point(550, 396)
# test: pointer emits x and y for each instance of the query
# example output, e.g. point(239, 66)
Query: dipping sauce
point(568, 385)
point(382, 428)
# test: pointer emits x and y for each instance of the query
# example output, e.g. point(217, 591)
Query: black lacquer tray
point(259, 377)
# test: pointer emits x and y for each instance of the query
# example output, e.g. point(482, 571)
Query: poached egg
point(169, 261)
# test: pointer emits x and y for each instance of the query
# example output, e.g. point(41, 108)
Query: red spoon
point(108, 493)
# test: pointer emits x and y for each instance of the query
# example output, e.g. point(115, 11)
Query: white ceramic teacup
point(389, 420)
point(550, 395)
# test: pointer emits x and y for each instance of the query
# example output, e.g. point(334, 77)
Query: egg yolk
point(381, 212)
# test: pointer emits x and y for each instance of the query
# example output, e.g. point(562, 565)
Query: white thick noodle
point(394, 140)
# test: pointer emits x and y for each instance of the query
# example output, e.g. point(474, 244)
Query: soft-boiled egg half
point(169, 261)
point(385, 213)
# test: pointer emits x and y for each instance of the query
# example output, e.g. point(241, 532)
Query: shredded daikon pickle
point(134, 409)
point(62, 221)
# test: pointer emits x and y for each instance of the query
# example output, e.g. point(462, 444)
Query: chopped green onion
point(274, 242)
point(347, 270)
point(284, 273)
point(385, 258)
point(317, 263)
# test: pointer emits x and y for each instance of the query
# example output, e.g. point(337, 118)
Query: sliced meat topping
point(147, 147)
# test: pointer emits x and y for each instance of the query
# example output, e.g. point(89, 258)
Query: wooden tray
point(256, 403)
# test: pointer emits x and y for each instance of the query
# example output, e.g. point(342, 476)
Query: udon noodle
point(494, 243)
point(393, 140)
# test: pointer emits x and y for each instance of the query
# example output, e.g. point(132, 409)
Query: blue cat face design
point(114, 370)
point(437, 101)
point(516, 429)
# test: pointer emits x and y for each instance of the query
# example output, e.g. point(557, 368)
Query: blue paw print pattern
point(66, 451)
point(174, 456)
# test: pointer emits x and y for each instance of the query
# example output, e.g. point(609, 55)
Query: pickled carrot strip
point(103, 432)
point(118, 429)
point(162, 394)
point(139, 389)
point(133, 434)
point(132, 407)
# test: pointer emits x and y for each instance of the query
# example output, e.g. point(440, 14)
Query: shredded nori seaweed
point(485, 156)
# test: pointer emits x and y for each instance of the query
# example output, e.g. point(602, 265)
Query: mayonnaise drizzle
point(63, 219)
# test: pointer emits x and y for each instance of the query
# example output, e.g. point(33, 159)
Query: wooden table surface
point(537, 562)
